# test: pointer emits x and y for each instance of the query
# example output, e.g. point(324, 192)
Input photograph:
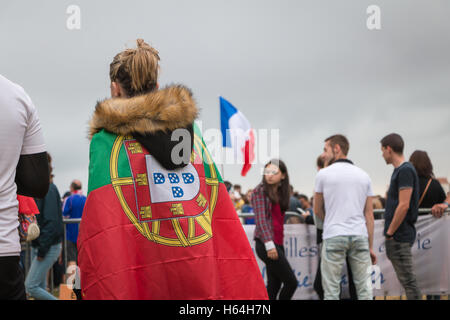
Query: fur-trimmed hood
point(163, 110)
point(150, 119)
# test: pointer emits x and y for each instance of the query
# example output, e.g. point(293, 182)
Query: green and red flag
point(152, 233)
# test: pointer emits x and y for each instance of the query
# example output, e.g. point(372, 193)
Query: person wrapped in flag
point(158, 222)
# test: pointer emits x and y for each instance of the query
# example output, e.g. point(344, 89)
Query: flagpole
point(220, 123)
point(223, 172)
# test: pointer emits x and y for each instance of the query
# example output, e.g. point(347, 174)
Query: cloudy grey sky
point(307, 68)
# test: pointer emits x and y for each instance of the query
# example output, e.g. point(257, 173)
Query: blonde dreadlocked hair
point(136, 70)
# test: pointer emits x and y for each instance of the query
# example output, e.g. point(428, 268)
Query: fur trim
point(163, 110)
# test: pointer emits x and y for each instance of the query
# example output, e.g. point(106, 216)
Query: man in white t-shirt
point(343, 200)
point(23, 170)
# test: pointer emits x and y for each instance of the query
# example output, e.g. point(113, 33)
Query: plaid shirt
point(262, 207)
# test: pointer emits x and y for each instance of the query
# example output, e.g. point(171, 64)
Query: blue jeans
point(36, 281)
point(334, 252)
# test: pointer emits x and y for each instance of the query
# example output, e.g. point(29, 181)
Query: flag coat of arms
point(153, 229)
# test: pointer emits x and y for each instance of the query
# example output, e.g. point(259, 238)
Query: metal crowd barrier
point(66, 222)
point(27, 254)
point(378, 213)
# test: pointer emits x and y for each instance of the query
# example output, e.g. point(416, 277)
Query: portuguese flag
point(151, 233)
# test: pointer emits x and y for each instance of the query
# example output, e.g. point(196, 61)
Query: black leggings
point(278, 272)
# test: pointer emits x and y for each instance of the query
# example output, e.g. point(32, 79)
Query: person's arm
point(309, 219)
point(319, 203)
point(32, 175)
point(259, 209)
point(32, 170)
point(319, 206)
point(404, 198)
point(438, 209)
point(368, 214)
point(50, 225)
point(67, 212)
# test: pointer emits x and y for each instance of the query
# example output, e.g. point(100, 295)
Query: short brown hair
point(422, 163)
point(394, 141)
point(320, 163)
point(341, 140)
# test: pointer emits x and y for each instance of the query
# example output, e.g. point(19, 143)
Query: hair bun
point(141, 43)
point(136, 69)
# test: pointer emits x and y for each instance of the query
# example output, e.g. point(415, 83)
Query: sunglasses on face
point(268, 172)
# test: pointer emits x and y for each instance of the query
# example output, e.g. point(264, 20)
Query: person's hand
point(388, 235)
point(438, 210)
point(373, 257)
point(272, 254)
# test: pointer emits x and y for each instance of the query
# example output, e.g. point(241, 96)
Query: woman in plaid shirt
point(270, 200)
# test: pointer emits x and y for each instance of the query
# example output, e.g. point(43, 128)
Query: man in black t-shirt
point(401, 214)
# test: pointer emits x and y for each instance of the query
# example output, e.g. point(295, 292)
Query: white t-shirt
point(345, 189)
point(20, 134)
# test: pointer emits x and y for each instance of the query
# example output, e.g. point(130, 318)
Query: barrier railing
point(378, 213)
point(27, 253)
point(66, 222)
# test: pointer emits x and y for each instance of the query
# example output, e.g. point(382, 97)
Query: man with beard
point(343, 200)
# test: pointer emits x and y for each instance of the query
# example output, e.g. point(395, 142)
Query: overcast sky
point(307, 68)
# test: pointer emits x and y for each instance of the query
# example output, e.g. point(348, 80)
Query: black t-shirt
point(405, 176)
point(435, 193)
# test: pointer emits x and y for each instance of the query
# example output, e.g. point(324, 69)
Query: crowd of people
point(301, 204)
point(141, 118)
point(343, 194)
point(48, 255)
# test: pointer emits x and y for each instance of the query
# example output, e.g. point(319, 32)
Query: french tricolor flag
point(237, 134)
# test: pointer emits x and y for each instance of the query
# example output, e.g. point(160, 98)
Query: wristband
point(269, 245)
point(446, 203)
point(389, 235)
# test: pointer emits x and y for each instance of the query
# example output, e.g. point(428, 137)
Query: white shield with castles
point(176, 185)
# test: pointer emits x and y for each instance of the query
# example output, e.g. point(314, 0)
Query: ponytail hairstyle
point(282, 194)
point(136, 70)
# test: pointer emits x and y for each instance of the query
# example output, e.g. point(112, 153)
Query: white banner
point(431, 257)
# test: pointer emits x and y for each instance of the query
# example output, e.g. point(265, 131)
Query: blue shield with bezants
point(159, 178)
point(177, 192)
point(173, 178)
point(188, 178)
